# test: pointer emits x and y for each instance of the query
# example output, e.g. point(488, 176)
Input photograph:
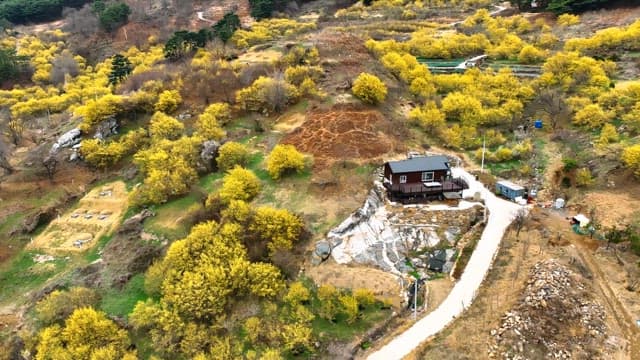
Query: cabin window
point(427, 176)
point(403, 179)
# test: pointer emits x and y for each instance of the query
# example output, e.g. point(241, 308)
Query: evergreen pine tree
point(120, 69)
point(225, 28)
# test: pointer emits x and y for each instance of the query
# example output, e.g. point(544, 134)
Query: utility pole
point(483, 150)
point(415, 301)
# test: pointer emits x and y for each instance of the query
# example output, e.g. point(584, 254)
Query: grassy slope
point(121, 302)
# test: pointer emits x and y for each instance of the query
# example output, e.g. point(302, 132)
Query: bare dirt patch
point(437, 291)
point(289, 123)
point(342, 133)
point(612, 207)
point(215, 11)
point(98, 213)
point(383, 284)
point(344, 56)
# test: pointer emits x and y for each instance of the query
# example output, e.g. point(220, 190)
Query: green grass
point(256, 164)
point(168, 212)
point(121, 302)
point(365, 170)
point(340, 330)
point(48, 198)
point(9, 223)
point(497, 168)
point(94, 253)
point(208, 182)
point(23, 274)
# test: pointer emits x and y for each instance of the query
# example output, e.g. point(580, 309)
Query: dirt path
point(584, 248)
point(616, 309)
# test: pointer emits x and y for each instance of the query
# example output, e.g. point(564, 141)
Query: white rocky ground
point(382, 234)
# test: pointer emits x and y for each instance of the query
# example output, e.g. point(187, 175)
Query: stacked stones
point(555, 319)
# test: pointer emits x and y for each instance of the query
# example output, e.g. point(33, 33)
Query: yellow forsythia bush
point(369, 88)
point(284, 158)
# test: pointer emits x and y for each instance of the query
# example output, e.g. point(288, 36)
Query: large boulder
point(106, 128)
point(40, 217)
point(68, 139)
point(209, 153)
point(134, 223)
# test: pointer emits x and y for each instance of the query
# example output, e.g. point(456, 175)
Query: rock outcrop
point(382, 234)
point(106, 128)
point(66, 140)
point(209, 153)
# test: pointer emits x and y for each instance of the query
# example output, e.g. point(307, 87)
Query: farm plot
point(97, 213)
point(342, 133)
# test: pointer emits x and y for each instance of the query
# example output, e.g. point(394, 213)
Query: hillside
point(203, 179)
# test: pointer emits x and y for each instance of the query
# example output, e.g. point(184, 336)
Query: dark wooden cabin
point(421, 178)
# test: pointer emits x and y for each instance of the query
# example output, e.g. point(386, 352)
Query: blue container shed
point(538, 124)
point(509, 189)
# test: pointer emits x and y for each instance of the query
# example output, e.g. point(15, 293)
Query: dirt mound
point(556, 318)
point(342, 133)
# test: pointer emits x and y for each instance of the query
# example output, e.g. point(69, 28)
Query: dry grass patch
point(384, 285)
point(97, 213)
point(256, 57)
point(289, 122)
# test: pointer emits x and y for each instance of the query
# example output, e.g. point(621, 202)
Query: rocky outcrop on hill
point(383, 235)
point(68, 139)
point(130, 252)
point(209, 153)
point(556, 318)
point(106, 128)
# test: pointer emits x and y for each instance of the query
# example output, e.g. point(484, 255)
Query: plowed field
point(342, 133)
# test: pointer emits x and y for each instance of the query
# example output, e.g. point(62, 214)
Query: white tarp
point(582, 220)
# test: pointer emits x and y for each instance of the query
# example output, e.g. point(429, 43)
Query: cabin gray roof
point(419, 163)
point(510, 185)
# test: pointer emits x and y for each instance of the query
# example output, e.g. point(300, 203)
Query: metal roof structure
point(510, 185)
point(420, 163)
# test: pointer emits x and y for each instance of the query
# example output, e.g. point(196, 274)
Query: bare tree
point(81, 21)
point(277, 95)
point(251, 72)
point(550, 102)
point(15, 129)
point(520, 220)
point(63, 65)
point(4, 157)
point(50, 164)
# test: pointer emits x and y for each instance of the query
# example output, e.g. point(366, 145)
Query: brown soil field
point(342, 133)
point(612, 207)
point(97, 213)
point(344, 56)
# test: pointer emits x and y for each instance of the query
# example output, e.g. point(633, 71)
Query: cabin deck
point(415, 192)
